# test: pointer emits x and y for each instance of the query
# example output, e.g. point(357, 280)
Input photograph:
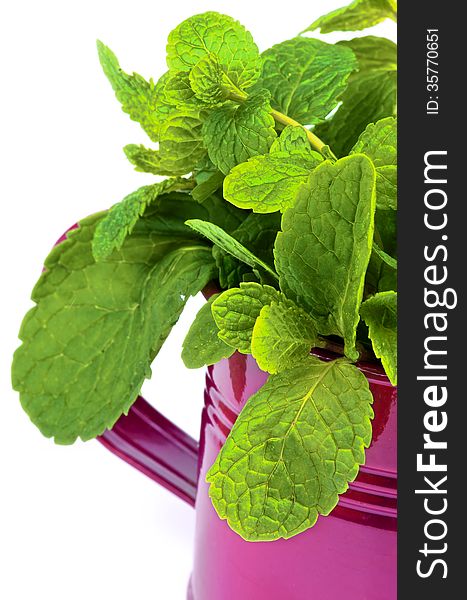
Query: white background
point(74, 521)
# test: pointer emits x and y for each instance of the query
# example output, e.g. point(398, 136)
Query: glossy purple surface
point(351, 554)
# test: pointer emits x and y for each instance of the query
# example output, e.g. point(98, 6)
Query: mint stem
point(338, 348)
point(315, 141)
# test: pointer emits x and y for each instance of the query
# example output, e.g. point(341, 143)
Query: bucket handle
point(151, 443)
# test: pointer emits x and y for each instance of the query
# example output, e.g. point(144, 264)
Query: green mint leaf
point(181, 143)
point(235, 312)
point(120, 220)
point(380, 314)
point(204, 169)
point(180, 146)
point(368, 98)
point(202, 345)
point(292, 140)
point(176, 98)
point(208, 187)
point(137, 96)
point(294, 448)
point(379, 277)
point(361, 14)
point(220, 35)
point(96, 327)
point(167, 100)
point(386, 228)
point(379, 142)
point(389, 260)
point(283, 336)
point(209, 82)
point(269, 183)
point(178, 91)
point(231, 271)
point(323, 250)
point(145, 160)
point(233, 134)
point(229, 244)
point(371, 95)
point(373, 52)
point(381, 274)
point(306, 77)
point(168, 215)
point(256, 232)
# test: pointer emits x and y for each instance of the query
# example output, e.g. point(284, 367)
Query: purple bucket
point(349, 554)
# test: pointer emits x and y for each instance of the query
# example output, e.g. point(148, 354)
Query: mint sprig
point(301, 244)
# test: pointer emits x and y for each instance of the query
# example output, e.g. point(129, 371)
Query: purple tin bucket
point(350, 554)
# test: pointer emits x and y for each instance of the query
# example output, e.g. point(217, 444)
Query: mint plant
point(280, 186)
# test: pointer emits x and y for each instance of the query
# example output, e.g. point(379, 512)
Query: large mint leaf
point(137, 96)
point(283, 336)
point(235, 133)
point(96, 327)
point(380, 314)
point(202, 345)
point(323, 250)
point(235, 312)
point(294, 448)
point(220, 35)
point(371, 95)
point(269, 183)
point(229, 244)
point(120, 220)
point(358, 15)
point(379, 142)
point(306, 77)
